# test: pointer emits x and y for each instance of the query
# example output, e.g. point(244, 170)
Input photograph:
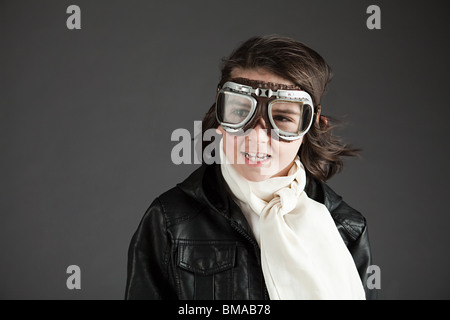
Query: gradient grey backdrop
point(87, 115)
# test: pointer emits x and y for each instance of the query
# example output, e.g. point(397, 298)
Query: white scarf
point(302, 253)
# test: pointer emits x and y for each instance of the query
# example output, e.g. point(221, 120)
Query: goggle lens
point(291, 118)
point(234, 109)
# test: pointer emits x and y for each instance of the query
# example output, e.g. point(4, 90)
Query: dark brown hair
point(321, 152)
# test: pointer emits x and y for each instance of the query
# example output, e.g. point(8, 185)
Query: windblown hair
point(321, 152)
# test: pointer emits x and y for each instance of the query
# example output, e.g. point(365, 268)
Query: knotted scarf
point(303, 255)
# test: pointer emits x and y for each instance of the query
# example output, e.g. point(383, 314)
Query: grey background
point(86, 119)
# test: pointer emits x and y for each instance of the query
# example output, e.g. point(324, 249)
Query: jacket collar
point(207, 185)
point(321, 192)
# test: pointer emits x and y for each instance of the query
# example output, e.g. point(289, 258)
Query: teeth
point(256, 156)
point(261, 155)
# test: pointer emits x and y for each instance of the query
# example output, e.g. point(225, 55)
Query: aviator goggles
point(287, 110)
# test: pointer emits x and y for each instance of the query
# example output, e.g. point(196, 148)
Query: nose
point(259, 133)
point(260, 124)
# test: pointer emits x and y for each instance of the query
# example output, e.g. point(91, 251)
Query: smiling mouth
point(256, 157)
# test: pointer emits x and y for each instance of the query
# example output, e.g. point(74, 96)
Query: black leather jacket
point(195, 243)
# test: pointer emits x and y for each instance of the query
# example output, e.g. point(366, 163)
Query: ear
point(318, 117)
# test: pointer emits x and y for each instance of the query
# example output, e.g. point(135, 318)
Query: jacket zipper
point(236, 227)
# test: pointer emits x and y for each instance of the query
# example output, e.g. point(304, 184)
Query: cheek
point(231, 145)
point(288, 150)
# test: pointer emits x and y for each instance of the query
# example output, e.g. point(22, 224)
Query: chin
point(256, 175)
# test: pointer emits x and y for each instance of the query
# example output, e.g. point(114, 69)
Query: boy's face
point(259, 155)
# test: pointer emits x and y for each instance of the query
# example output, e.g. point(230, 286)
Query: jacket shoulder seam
point(354, 230)
point(177, 195)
